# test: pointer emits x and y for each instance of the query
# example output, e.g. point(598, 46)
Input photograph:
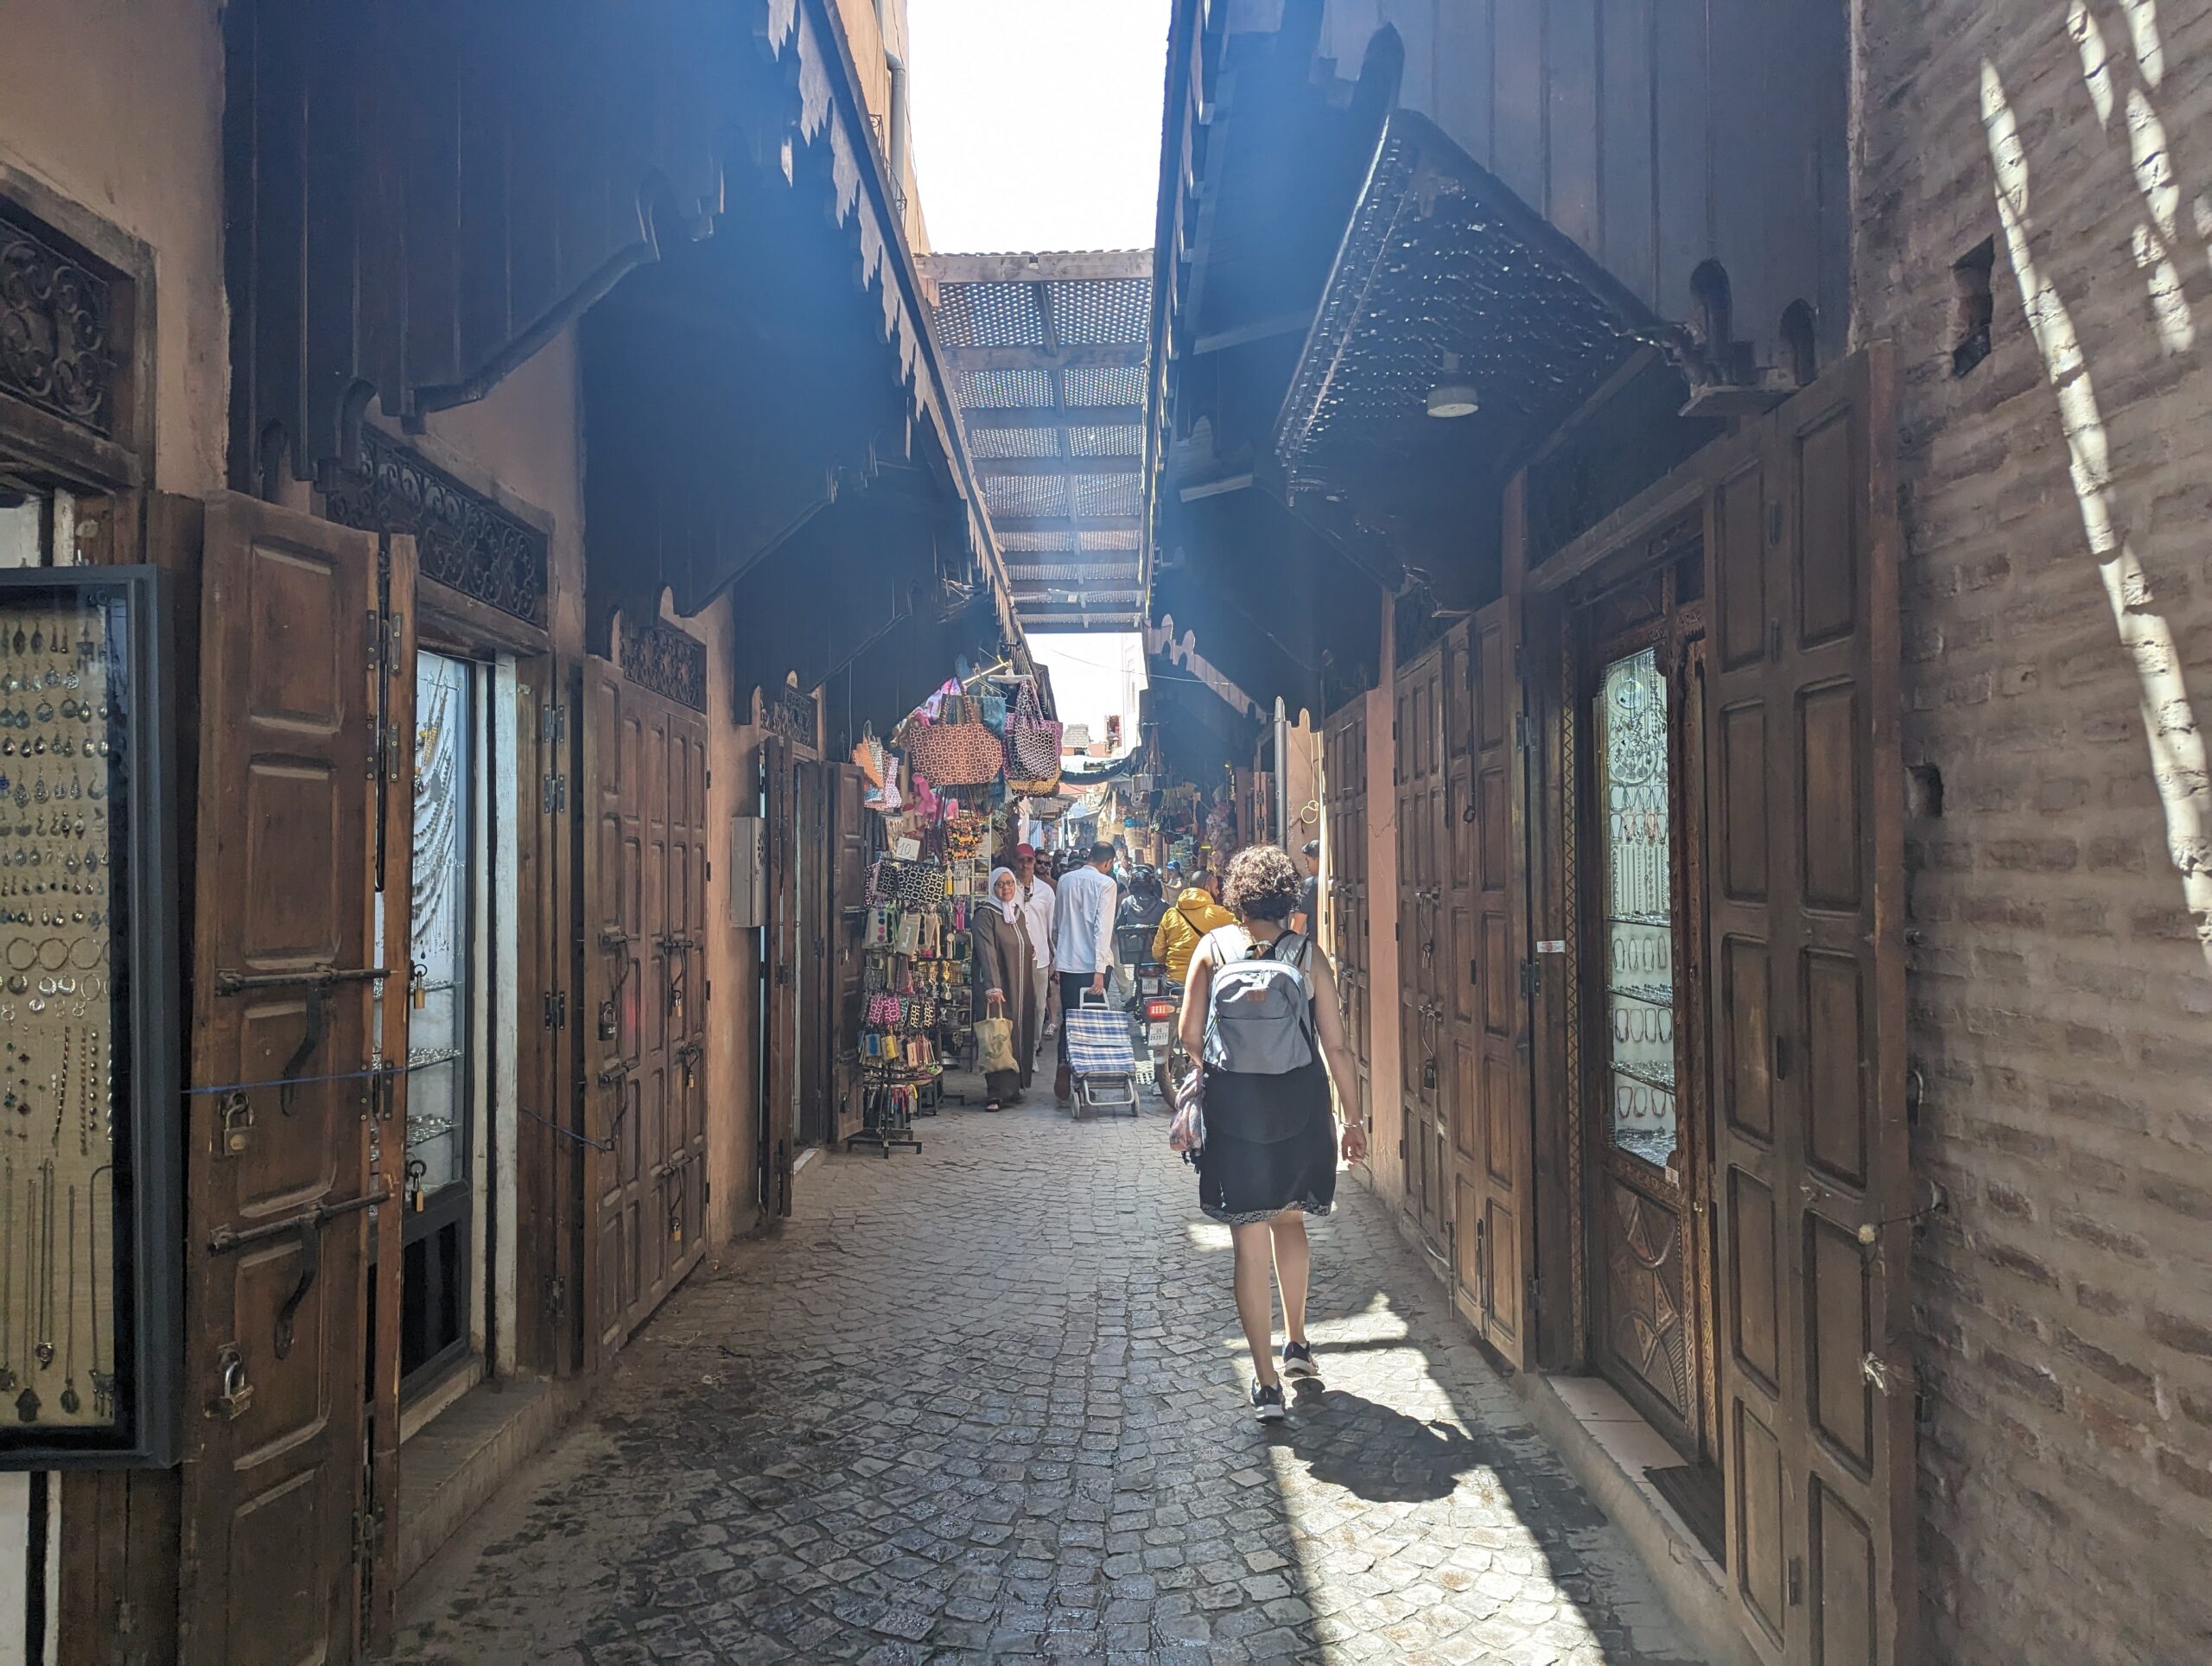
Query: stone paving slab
point(988, 1402)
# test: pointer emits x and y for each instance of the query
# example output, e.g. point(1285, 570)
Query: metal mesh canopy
point(1051, 353)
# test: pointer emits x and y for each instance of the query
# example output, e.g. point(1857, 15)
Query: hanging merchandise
point(958, 750)
point(1032, 746)
point(869, 753)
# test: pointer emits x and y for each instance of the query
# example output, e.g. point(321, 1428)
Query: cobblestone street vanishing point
point(990, 1401)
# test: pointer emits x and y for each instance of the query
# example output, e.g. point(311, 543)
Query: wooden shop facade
point(528, 437)
point(1507, 423)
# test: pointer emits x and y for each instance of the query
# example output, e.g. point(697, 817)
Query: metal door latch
point(236, 1393)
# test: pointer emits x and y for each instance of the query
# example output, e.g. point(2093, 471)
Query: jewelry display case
point(91, 1130)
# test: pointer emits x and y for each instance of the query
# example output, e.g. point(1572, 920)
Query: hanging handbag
point(955, 753)
point(1187, 1134)
point(1032, 745)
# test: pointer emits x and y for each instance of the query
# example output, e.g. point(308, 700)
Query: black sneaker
point(1298, 1360)
point(1267, 1402)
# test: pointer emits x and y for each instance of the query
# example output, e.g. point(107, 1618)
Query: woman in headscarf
point(1004, 988)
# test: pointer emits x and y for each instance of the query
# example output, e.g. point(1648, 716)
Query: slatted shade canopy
point(1048, 355)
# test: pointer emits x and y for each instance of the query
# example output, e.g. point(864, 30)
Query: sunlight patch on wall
point(2176, 744)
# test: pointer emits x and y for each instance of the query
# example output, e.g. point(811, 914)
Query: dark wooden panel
point(1837, 1394)
point(1833, 828)
point(1571, 66)
point(1743, 766)
point(1835, 1069)
point(1499, 1153)
point(1738, 561)
point(1841, 1580)
point(1745, 1065)
point(1682, 156)
point(1828, 536)
point(1498, 991)
point(1757, 1545)
point(1518, 31)
point(1754, 1320)
point(1495, 810)
point(1626, 187)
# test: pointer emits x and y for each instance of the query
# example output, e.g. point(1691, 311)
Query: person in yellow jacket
point(1194, 914)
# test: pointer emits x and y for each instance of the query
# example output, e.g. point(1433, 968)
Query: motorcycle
point(1154, 1007)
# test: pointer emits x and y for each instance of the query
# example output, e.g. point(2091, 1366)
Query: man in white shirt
point(1034, 898)
point(1083, 938)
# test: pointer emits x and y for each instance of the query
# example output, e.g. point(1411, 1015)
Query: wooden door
point(1420, 781)
point(1805, 873)
point(614, 973)
point(291, 774)
point(679, 1144)
point(779, 1124)
point(1492, 1163)
point(647, 900)
point(1649, 1133)
point(815, 851)
point(848, 900)
point(1344, 847)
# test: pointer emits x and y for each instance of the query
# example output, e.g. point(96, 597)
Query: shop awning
point(1446, 286)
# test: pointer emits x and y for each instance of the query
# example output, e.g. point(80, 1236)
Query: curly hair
point(1262, 883)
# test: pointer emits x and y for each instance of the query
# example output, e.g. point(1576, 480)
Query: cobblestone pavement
point(990, 1401)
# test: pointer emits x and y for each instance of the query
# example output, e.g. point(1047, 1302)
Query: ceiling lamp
point(1450, 396)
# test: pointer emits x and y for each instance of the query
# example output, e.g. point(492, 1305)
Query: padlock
point(418, 979)
point(1428, 1074)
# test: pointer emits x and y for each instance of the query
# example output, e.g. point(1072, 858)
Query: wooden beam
point(979, 417)
point(1092, 264)
point(1119, 462)
point(1260, 329)
point(1218, 487)
point(1113, 355)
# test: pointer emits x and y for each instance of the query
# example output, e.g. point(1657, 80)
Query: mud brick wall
point(2058, 509)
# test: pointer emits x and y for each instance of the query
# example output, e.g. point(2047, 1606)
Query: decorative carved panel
point(58, 349)
point(463, 539)
point(789, 712)
point(668, 662)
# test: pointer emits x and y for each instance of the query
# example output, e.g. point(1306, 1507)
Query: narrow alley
point(993, 1404)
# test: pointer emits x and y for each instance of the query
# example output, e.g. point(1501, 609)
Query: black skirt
point(1271, 1145)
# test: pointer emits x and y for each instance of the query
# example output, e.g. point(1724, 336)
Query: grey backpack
point(1260, 1009)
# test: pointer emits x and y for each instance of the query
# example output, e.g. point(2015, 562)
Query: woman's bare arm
point(1198, 984)
point(1344, 1070)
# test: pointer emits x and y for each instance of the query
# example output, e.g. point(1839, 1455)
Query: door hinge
point(1781, 1057)
point(393, 636)
point(1518, 664)
point(1797, 1581)
point(554, 723)
point(368, 1535)
point(555, 798)
point(557, 1009)
point(556, 1297)
point(1521, 731)
point(1532, 977)
point(376, 640)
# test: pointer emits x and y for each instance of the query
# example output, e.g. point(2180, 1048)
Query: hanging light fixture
point(1451, 396)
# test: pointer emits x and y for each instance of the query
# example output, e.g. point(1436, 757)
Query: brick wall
point(2061, 1008)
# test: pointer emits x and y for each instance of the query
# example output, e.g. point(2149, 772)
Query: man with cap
point(1034, 897)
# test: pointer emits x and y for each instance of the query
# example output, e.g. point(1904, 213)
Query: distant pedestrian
point(1083, 934)
point(1260, 1010)
point(1005, 966)
point(1306, 919)
point(1036, 894)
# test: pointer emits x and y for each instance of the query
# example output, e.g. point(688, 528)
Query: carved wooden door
point(779, 1123)
point(294, 720)
point(814, 853)
point(1345, 763)
point(849, 901)
point(1648, 1132)
point(1806, 870)
point(1420, 742)
point(1491, 1131)
point(646, 897)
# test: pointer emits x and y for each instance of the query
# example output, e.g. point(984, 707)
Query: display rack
point(90, 1136)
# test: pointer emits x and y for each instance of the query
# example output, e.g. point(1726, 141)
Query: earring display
point(83, 968)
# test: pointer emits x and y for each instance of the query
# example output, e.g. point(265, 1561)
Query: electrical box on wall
point(748, 872)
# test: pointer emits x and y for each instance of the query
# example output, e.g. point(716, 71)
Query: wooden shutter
point(290, 761)
point(1492, 1176)
point(1805, 883)
point(685, 1199)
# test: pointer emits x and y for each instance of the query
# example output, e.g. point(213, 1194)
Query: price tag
point(908, 850)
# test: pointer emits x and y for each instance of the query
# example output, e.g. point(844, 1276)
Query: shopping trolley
point(1099, 1056)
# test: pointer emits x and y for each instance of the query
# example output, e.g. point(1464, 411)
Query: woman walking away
point(1260, 1008)
point(1004, 961)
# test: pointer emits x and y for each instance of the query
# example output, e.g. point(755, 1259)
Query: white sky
point(1036, 123)
point(1036, 128)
